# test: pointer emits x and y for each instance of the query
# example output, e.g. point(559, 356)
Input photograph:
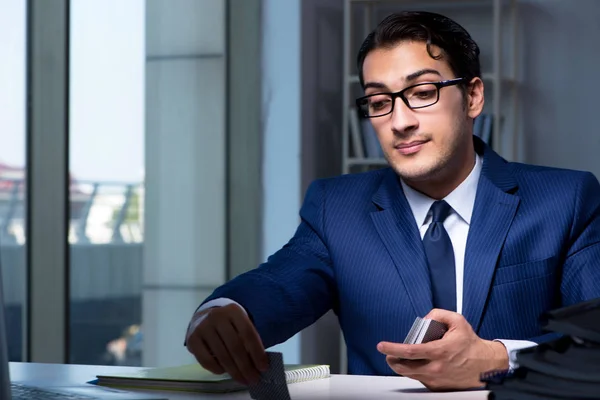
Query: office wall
point(184, 251)
point(322, 30)
point(560, 87)
point(322, 39)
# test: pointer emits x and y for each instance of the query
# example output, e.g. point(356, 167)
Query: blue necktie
point(440, 257)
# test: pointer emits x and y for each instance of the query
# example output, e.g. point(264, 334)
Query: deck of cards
point(425, 330)
point(273, 383)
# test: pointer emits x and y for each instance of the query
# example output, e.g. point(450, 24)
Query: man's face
point(426, 143)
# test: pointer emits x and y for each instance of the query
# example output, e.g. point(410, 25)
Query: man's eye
point(378, 105)
point(424, 94)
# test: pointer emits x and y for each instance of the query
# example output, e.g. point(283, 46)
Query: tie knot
point(440, 210)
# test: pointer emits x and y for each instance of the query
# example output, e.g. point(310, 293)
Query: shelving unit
point(504, 87)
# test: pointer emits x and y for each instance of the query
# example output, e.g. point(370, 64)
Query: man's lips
point(410, 147)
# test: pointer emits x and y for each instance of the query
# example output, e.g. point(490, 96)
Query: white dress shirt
point(462, 201)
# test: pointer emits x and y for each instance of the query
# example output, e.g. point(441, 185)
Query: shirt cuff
point(220, 302)
point(512, 346)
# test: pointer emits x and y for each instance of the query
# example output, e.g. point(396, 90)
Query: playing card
point(425, 330)
point(272, 384)
point(435, 331)
point(414, 331)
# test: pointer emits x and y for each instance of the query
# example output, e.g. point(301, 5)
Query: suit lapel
point(493, 213)
point(398, 230)
point(495, 208)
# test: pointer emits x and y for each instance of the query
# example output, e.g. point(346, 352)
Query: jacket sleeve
point(295, 286)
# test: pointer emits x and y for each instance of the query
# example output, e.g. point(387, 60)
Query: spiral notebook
point(193, 377)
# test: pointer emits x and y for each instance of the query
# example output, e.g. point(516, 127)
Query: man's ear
point(475, 98)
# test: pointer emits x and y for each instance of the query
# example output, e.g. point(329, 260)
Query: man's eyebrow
point(410, 77)
point(420, 72)
point(375, 85)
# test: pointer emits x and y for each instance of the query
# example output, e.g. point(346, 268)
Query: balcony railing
point(100, 212)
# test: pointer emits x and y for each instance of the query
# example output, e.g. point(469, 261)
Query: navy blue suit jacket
point(533, 245)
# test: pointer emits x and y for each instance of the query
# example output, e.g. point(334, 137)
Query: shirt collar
point(461, 199)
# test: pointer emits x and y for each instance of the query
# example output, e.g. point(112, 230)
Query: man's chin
point(416, 173)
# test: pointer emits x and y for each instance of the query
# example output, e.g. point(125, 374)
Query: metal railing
point(101, 212)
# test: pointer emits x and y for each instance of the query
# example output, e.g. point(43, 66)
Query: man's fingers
point(404, 366)
point(238, 353)
point(449, 318)
point(215, 344)
point(230, 343)
point(424, 351)
point(252, 343)
point(416, 369)
point(198, 348)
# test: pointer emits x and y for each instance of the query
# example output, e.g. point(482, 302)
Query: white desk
point(338, 387)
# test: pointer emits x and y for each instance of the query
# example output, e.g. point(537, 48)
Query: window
point(12, 169)
point(147, 163)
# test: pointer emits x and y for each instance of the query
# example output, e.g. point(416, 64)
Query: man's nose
point(403, 117)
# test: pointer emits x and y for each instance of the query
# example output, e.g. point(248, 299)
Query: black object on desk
point(565, 368)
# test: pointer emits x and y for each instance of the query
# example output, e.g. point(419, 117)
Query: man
point(450, 231)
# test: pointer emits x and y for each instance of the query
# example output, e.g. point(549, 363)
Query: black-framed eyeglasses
point(416, 96)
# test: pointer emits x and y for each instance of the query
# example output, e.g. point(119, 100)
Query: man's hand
point(226, 341)
point(453, 362)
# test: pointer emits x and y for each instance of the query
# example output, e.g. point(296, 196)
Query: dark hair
point(457, 47)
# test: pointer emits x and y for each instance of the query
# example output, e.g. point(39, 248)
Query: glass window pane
point(147, 146)
point(107, 162)
point(12, 168)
